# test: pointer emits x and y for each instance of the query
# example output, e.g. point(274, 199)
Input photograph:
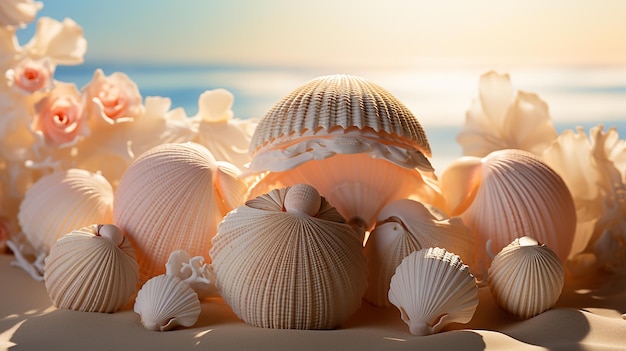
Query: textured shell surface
point(61, 202)
point(432, 288)
point(165, 302)
point(91, 271)
point(288, 270)
point(338, 114)
point(506, 195)
point(526, 278)
point(405, 226)
point(172, 197)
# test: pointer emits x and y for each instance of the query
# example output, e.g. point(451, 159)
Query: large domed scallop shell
point(279, 265)
point(165, 302)
point(61, 202)
point(350, 139)
point(526, 278)
point(405, 226)
point(92, 269)
point(433, 288)
point(510, 194)
point(171, 198)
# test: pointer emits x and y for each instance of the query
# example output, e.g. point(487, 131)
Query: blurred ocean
point(438, 96)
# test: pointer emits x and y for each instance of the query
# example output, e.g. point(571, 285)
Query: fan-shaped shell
point(90, 270)
point(405, 226)
point(432, 288)
point(172, 197)
point(510, 194)
point(61, 202)
point(279, 269)
point(165, 302)
point(526, 278)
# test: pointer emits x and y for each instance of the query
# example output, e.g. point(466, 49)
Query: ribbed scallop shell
point(172, 197)
point(87, 271)
point(61, 202)
point(432, 288)
point(510, 194)
point(165, 302)
point(526, 278)
point(405, 226)
point(279, 269)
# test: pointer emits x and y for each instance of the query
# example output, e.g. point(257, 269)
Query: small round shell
point(91, 272)
point(432, 288)
point(165, 302)
point(526, 278)
point(278, 269)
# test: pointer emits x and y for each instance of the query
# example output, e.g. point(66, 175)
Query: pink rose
point(31, 75)
point(59, 117)
point(112, 97)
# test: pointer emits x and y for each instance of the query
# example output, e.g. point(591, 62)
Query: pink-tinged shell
point(61, 202)
point(86, 271)
point(506, 195)
point(172, 197)
point(433, 288)
point(278, 269)
point(526, 278)
point(405, 226)
point(303, 199)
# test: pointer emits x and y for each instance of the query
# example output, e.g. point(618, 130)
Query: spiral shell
point(432, 288)
point(165, 302)
point(405, 226)
point(92, 269)
point(526, 278)
point(61, 202)
point(172, 197)
point(279, 269)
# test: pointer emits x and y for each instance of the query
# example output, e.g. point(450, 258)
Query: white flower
point(62, 42)
point(18, 12)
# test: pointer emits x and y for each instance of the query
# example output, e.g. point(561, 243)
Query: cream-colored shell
point(279, 269)
point(165, 302)
point(405, 226)
point(432, 288)
point(172, 197)
point(526, 278)
point(510, 194)
point(91, 270)
point(61, 202)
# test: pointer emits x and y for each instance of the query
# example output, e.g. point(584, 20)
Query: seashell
point(63, 201)
point(172, 197)
point(193, 271)
point(405, 226)
point(92, 269)
point(526, 278)
point(348, 138)
point(433, 288)
point(509, 194)
point(165, 302)
point(286, 269)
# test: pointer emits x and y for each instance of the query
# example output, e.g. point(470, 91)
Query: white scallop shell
point(405, 226)
point(165, 302)
point(526, 278)
point(432, 288)
point(172, 197)
point(63, 201)
point(92, 269)
point(279, 269)
point(509, 194)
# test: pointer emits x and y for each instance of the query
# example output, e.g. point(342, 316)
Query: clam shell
point(509, 194)
point(405, 226)
point(61, 202)
point(90, 270)
point(172, 197)
point(432, 288)
point(279, 269)
point(165, 302)
point(526, 278)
